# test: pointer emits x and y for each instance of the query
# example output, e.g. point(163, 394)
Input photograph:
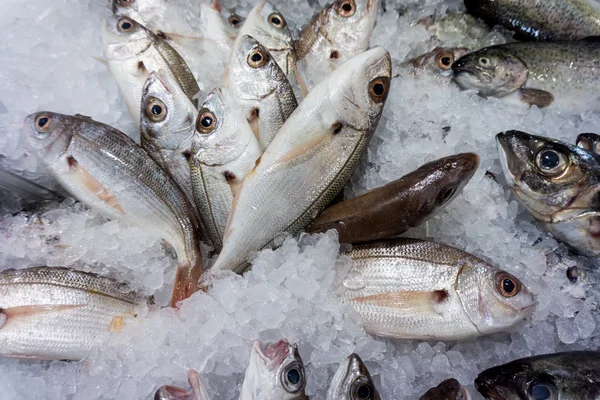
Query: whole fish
point(450, 389)
point(260, 87)
point(412, 289)
point(107, 171)
point(352, 381)
point(219, 24)
point(276, 373)
point(540, 73)
point(589, 142)
point(566, 376)
point(436, 63)
point(133, 52)
point(310, 160)
point(60, 313)
point(400, 205)
point(457, 29)
point(540, 19)
point(198, 392)
point(558, 184)
point(224, 151)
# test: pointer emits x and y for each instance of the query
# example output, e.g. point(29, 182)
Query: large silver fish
point(170, 392)
point(106, 170)
point(276, 373)
point(352, 381)
point(412, 289)
point(450, 389)
point(558, 184)
point(224, 151)
point(60, 313)
point(310, 159)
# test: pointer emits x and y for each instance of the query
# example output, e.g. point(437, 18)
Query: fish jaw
point(261, 379)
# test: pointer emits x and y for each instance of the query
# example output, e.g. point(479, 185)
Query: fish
point(589, 142)
point(437, 63)
point(260, 87)
point(133, 52)
point(25, 187)
point(392, 209)
point(310, 159)
point(558, 184)
point(224, 152)
point(537, 73)
point(458, 29)
point(450, 389)
point(352, 381)
point(550, 20)
point(571, 375)
point(219, 24)
point(55, 313)
point(275, 373)
point(108, 172)
point(413, 289)
point(198, 392)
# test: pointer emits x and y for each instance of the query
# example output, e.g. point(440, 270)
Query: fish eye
point(206, 122)
point(507, 285)
point(361, 389)
point(446, 195)
point(541, 391)
point(277, 20)
point(125, 3)
point(156, 110)
point(378, 88)
point(346, 8)
point(234, 20)
point(257, 58)
point(551, 162)
point(445, 60)
point(42, 124)
point(484, 61)
point(125, 24)
point(292, 377)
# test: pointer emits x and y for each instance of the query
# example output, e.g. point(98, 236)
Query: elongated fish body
point(133, 52)
point(224, 152)
point(558, 184)
point(566, 376)
point(450, 389)
point(167, 126)
point(261, 89)
point(388, 211)
point(106, 170)
point(436, 64)
point(61, 314)
point(540, 19)
point(198, 392)
point(412, 289)
point(352, 380)
point(541, 73)
point(310, 159)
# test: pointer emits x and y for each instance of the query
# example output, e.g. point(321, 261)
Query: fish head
point(437, 62)
point(552, 179)
point(124, 37)
point(49, 134)
point(515, 381)
point(589, 142)
point(493, 71)
point(450, 389)
point(352, 380)
point(349, 24)
point(217, 19)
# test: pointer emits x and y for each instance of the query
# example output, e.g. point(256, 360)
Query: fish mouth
point(486, 389)
point(509, 162)
point(273, 355)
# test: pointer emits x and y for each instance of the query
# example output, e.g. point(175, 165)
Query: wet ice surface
point(47, 64)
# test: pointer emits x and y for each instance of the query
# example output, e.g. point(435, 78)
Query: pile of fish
point(267, 153)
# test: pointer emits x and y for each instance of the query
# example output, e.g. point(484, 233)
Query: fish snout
point(485, 388)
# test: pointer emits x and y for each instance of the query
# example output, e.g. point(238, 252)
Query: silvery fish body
point(450, 389)
point(412, 289)
point(309, 160)
point(170, 392)
point(352, 381)
point(436, 64)
point(53, 313)
point(106, 170)
point(219, 25)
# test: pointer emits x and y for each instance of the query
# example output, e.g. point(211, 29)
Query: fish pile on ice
point(231, 163)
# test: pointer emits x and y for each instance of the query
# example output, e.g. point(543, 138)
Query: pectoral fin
point(409, 302)
point(11, 313)
point(537, 97)
point(101, 60)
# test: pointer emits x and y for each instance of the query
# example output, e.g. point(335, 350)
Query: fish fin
point(301, 83)
point(101, 60)
point(174, 393)
point(198, 388)
point(178, 38)
point(253, 121)
point(116, 324)
point(26, 311)
point(410, 302)
point(304, 147)
point(235, 187)
point(537, 97)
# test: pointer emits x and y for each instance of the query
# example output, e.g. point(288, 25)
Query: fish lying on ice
point(198, 392)
point(352, 381)
point(437, 63)
point(450, 389)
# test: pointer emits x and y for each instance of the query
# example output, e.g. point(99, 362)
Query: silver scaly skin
point(352, 381)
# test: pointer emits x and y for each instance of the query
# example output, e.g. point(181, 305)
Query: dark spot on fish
point(334, 54)
point(439, 296)
point(72, 161)
point(229, 176)
point(573, 274)
point(336, 128)
point(141, 66)
point(187, 154)
point(162, 35)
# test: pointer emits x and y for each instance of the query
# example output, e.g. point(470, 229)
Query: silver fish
point(24, 187)
point(219, 24)
point(435, 64)
point(260, 88)
point(198, 392)
point(276, 373)
point(106, 170)
point(450, 389)
point(310, 159)
point(60, 313)
point(352, 381)
point(412, 289)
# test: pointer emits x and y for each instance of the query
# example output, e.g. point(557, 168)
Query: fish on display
point(540, 73)
point(558, 184)
point(389, 210)
point(310, 159)
point(53, 313)
point(562, 376)
point(589, 142)
point(224, 151)
point(25, 187)
point(198, 392)
point(107, 171)
point(219, 24)
point(133, 52)
point(540, 19)
point(450, 389)
point(413, 289)
point(436, 63)
point(457, 29)
point(276, 373)
point(352, 381)
point(260, 87)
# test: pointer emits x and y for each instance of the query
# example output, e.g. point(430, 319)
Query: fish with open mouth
point(450, 389)
point(352, 381)
point(170, 392)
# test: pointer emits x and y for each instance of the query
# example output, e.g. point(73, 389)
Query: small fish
point(412, 289)
point(436, 63)
point(53, 313)
point(558, 183)
point(224, 151)
point(450, 389)
point(260, 87)
point(310, 159)
point(562, 376)
point(198, 392)
point(133, 52)
point(540, 73)
point(352, 381)
point(107, 171)
point(457, 29)
point(276, 373)
point(219, 24)
point(400, 205)
point(589, 142)
point(540, 20)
